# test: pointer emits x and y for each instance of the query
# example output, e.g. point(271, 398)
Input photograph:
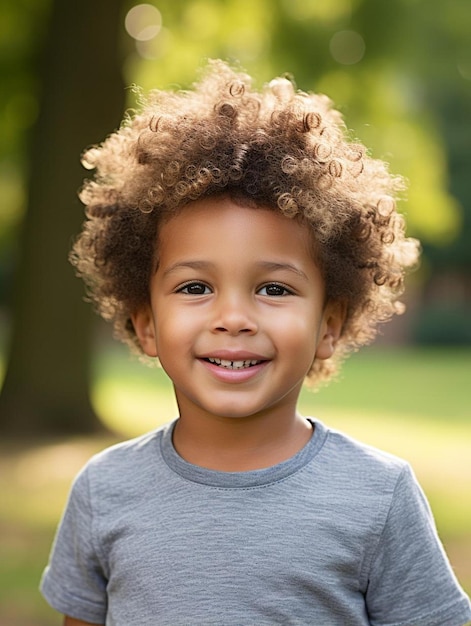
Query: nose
point(234, 315)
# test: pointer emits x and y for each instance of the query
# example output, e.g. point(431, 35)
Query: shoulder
point(356, 462)
point(116, 468)
point(357, 484)
point(365, 484)
point(131, 450)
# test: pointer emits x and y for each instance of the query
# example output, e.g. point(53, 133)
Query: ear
point(143, 322)
point(331, 329)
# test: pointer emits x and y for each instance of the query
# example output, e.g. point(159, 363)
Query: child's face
point(236, 311)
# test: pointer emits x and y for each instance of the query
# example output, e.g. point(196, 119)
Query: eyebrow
point(271, 266)
point(193, 265)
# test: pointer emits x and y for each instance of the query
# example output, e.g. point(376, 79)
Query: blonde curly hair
point(277, 148)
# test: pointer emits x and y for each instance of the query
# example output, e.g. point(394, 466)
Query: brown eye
point(195, 289)
point(274, 289)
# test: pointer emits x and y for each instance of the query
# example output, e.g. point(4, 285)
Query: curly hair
point(278, 148)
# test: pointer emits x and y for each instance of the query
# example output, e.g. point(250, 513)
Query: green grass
point(426, 383)
point(429, 383)
point(414, 403)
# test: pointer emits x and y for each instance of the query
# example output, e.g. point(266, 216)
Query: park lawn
point(409, 402)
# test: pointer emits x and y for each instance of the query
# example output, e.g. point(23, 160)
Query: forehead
point(210, 223)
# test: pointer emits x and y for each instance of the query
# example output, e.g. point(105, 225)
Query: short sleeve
point(74, 582)
point(410, 581)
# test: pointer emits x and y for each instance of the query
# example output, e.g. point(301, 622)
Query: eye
point(274, 289)
point(194, 289)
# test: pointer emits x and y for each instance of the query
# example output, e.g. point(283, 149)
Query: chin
point(236, 413)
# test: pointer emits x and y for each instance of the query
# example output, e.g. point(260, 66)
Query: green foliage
point(444, 325)
point(402, 80)
point(400, 71)
point(22, 26)
point(381, 62)
point(425, 384)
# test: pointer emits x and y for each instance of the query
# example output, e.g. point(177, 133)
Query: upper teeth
point(232, 364)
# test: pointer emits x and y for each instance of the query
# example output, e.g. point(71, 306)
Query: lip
point(226, 375)
point(233, 355)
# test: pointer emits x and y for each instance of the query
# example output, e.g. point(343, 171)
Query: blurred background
point(399, 70)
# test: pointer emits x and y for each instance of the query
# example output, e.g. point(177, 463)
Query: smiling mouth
point(233, 365)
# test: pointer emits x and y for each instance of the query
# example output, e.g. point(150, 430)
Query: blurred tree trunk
point(46, 389)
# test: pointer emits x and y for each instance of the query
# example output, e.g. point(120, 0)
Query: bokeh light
point(347, 47)
point(143, 22)
point(156, 47)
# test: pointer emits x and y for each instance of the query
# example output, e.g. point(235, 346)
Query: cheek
point(174, 331)
point(296, 333)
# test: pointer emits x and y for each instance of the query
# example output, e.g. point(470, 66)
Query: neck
point(242, 443)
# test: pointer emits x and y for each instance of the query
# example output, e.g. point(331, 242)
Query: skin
point(238, 284)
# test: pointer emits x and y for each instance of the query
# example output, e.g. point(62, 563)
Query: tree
point(46, 388)
point(407, 98)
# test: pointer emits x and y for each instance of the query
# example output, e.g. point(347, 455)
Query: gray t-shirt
point(338, 535)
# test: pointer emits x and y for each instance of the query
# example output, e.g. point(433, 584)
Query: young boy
point(239, 238)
